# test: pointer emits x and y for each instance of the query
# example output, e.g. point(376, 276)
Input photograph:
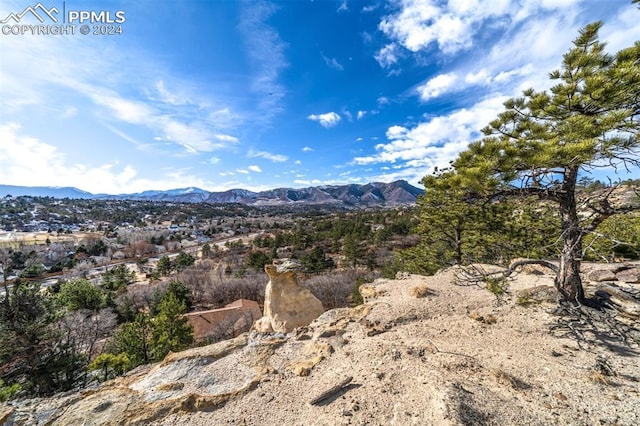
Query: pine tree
point(543, 140)
point(458, 229)
point(164, 265)
point(33, 352)
point(134, 340)
point(171, 331)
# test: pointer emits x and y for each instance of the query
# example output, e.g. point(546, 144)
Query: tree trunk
point(458, 244)
point(568, 281)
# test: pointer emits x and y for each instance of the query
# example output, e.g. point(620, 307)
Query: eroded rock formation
point(287, 305)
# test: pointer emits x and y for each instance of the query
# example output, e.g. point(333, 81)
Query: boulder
point(630, 275)
point(263, 325)
point(287, 305)
point(600, 275)
point(620, 299)
point(538, 294)
point(531, 268)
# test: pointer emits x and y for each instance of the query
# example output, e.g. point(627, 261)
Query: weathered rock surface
point(629, 275)
point(396, 360)
point(620, 298)
point(531, 268)
point(287, 305)
point(538, 294)
point(600, 275)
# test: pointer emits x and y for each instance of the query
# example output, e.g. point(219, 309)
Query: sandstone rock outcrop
point(399, 360)
point(629, 275)
point(600, 275)
point(287, 305)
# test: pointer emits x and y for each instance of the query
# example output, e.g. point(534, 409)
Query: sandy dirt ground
point(452, 357)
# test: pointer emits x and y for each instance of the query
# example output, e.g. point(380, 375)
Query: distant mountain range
point(44, 191)
point(370, 195)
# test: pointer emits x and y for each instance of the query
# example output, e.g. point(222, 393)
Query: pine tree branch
point(602, 209)
point(541, 193)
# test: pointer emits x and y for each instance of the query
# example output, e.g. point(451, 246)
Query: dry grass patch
point(485, 319)
point(421, 291)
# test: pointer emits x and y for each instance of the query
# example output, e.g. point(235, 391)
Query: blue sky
point(258, 95)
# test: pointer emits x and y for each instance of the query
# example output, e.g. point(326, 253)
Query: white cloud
point(25, 160)
point(332, 62)
point(224, 118)
point(266, 52)
point(522, 41)
point(307, 149)
point(419, 25)
point(226, 138)
point(194, 136)
point(396, 132)
point(622, 30)
point(308, 182)
point(477, 77)
point(130, 111)
point(434, 142)
point(327, 120)
point(388, 55)
point(436, 86)
point(128, 138)
point(361, 114)
point(106, 86)
point(168, 97)
point(191, 138)
point(243, 171)
point(255, 168)
point(276, 158)
point(343, 6)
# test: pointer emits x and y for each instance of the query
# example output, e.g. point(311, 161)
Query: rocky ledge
point(422, 350)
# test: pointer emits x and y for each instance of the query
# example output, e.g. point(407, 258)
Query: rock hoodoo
point(287, 305)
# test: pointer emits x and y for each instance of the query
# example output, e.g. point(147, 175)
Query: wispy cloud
point(332, 62)
point(437, 85)
point(308, 182)
point(388, 55)
point(307, 149)
point(111, 88)
point(326, 120)
point(519, 57)
point(370, 8)
point(25, 160)
point(169, 97)
point(450, 27)
point(255, 168)
point(434, 142)
point(266, 51)
point(276, 158)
